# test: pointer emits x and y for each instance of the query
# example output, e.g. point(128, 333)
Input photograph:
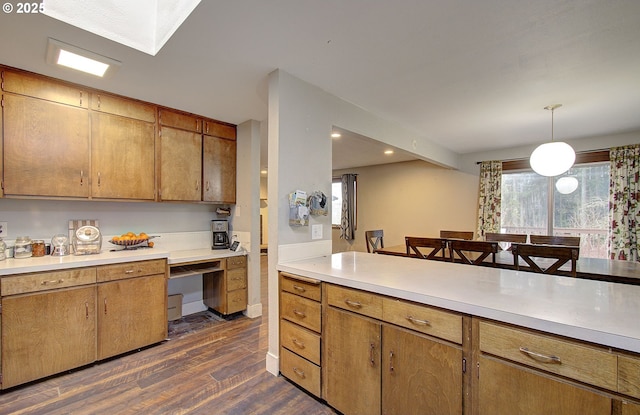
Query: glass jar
point(37, 248)
point(22, 247)
point(3, 247)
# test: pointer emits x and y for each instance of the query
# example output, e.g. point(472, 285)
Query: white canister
point(22, 247)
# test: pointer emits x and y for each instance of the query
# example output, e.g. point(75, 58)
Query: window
point(532, 205)
point(336, 202)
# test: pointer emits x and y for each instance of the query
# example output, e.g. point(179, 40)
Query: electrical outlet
point(316, 231)
point(3, 230)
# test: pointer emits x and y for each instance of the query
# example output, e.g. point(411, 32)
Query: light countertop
point(595, 311)
point(12, 266)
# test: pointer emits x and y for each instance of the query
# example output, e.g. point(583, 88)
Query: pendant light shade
point(552, 158)
point(567, 185)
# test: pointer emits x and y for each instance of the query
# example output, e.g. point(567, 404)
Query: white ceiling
point(469, 75)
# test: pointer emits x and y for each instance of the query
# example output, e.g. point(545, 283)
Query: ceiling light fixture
point(552, 158)
point(336, 135)
point(567, 185)
point(388, 152)
point(60, 53)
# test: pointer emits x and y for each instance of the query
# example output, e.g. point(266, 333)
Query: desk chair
point(555, 240)
point(374, 240)
point(518, 238)
point(457, 235)
point(419, 246)
point(529, 253)
point(463, 248)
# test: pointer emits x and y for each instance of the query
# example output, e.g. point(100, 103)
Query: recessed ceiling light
point(388, 152)
point(263, 172)
point(59, 53)
point(336, 135)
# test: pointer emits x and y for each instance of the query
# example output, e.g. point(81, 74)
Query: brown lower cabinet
point(381, 355)
point(59, 320)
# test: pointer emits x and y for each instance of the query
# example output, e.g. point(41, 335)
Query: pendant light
point(567, 184)
point(552, 158)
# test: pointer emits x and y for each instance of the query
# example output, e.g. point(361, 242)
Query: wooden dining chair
point(463, 250)
point(466, 235)
point(538, 257)
point(555, 240)
point(375, 240)
point(517, 238)
point(426, 248)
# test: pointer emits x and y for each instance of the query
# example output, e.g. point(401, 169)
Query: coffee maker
point(219, 234)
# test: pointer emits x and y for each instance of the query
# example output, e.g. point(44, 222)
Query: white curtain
point(347, 222)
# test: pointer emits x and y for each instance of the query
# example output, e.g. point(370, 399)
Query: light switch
point(316, 231)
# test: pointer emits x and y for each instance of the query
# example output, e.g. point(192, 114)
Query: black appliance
point(219, 234)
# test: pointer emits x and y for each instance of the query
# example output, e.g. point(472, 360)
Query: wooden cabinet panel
point(179, 120)
point(628, 375)
point(43, 88)
point(46, 148)
point(360, 302)
point(428, 320)
point(301, 311)
point(509, 390)
point(352, 363)
point(300, 341)
point(44, 281)
point(239, 261)
point(583, 363)
point(124, 107)
point(180, 165)
point(122, 157)
point(217, 129)
point(236, 279)
point(132, 313)
point(219, 170)
point(235, 301)
point(419, 375)
point(47, 333)
point(630, 408)
point(130, 269)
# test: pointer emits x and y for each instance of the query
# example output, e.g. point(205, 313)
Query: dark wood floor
point(212, 367)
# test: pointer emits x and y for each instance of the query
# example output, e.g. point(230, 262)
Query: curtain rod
point(581, 152)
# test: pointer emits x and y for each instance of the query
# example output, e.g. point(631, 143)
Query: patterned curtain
point(624, 209)
point(347, 223)
point(489, 198)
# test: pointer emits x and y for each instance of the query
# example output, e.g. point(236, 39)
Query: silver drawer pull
point(353, 304)
point(299, 288)
point(418, 321)
point(60, 281)
point(298, 343)
point(299, 313)
point(539, 356)
point(129, 271)
point(299, 372)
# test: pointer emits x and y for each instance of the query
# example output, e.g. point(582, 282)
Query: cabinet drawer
point(305, 288)
point(236, 279)
point(571, 359)
point(131, 269)
point(236, 301)
point(300, 341)
point(300, 371)
point(629, 376)
point(42, 281)
point(424, 319)
point(236, 262)
point(300, 310)
point(360, 302)
point(179, 120)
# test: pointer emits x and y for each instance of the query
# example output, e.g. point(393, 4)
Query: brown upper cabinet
point(61, 140)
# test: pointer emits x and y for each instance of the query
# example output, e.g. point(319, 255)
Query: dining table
point(602, 269)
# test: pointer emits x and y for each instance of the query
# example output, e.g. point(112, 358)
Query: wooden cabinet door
point(47, 333)
point(506, 389)
point(219, 170)
point(419, 375)
point(122, 158)
point(46, 148)
point(180, 165)
point(352, 362)
point(131, 314)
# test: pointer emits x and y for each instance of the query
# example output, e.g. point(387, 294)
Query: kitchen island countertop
point(595, 311)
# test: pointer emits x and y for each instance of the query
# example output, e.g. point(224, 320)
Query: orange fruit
point(143, 235)
point(150, 244)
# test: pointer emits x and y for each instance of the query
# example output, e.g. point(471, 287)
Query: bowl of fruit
point(131, 239)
